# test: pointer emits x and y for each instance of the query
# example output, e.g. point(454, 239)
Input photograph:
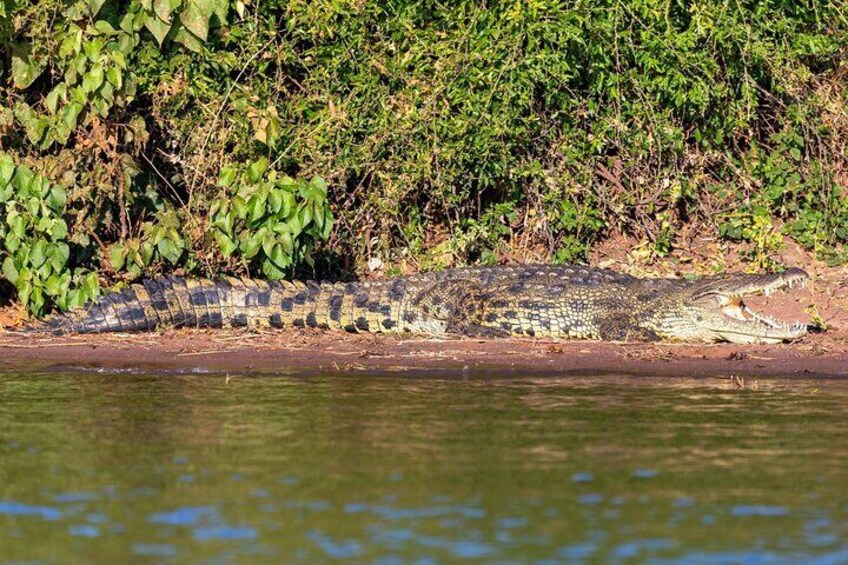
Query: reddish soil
point(824, 353)
point(313, 351)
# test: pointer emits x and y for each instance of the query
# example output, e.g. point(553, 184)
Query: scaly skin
point(534, 300)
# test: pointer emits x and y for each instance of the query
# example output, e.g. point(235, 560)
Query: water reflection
point(397, 469)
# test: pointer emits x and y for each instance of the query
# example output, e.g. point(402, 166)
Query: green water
point(122, 467)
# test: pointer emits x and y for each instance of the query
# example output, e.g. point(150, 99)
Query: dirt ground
point(824, 352)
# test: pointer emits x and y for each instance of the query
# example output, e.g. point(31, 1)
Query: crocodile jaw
point(741, 324)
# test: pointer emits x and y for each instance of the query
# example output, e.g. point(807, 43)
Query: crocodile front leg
point(624, 328)
point(453, 306)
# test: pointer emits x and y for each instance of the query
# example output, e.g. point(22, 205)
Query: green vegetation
point(145, 136)
point(35, 245)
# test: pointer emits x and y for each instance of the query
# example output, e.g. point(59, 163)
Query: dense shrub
point(447, 132)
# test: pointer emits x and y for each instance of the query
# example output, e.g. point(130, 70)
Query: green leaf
point(165, 8)
point(328, 226)
point(157, 234)
point(131, 21)
point(12, 242)
point(114, 76)
point(250, 247)
point(174, 235)
point(169, 250)
point(94, 6)
point(295, 225)
point(93, 48)
point(158, 28)
point(7, 172)
point(17, 223)
point(37, 255)
point(53, 285)
point(134, 257)
point(275, 199)
point(59, 254)
point(9, 270)
point(26, 67)
point(42, 273)
point(78, 66)
point(289, 204)
point(71, 42)
point(271, 271)
point(71, 113)
point(67, 300)
point(146, 252)
point(268, 242)
point(255, 170)
point(226, 176)
point(117, 255)
point(223, 221)
point(51, 101)
point(256, 207)
point(107, 93)
point(104, 27)
point(7, 168)
point(226, 243)
point(195, 17)
point(59, 132)
point(120, 60)
point(24, 290)
point(320, 185)
point(220, 9)
point(57, 198)
point(35, 126)
point(36, 300)
point(279, 256)
point(33, 205)
point(287, 242)
point(102, 106)
point(305, 215)
point(93, 79)
point(239, 206)
point(187, 38)
point(39, 186)
point(91, 286)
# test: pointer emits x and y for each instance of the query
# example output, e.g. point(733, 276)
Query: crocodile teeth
point(768, 320)
point(782, 285)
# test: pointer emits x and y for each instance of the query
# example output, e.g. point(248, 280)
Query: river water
point(210, 468)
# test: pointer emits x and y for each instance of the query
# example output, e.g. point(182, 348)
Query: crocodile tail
point(178, 302)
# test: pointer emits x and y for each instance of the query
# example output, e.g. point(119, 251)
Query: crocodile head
point(713, 309)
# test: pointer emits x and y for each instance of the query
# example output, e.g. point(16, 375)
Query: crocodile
point(529, 300)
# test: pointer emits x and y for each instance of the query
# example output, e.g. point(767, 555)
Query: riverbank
point(321, 352)
point(823, 303)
